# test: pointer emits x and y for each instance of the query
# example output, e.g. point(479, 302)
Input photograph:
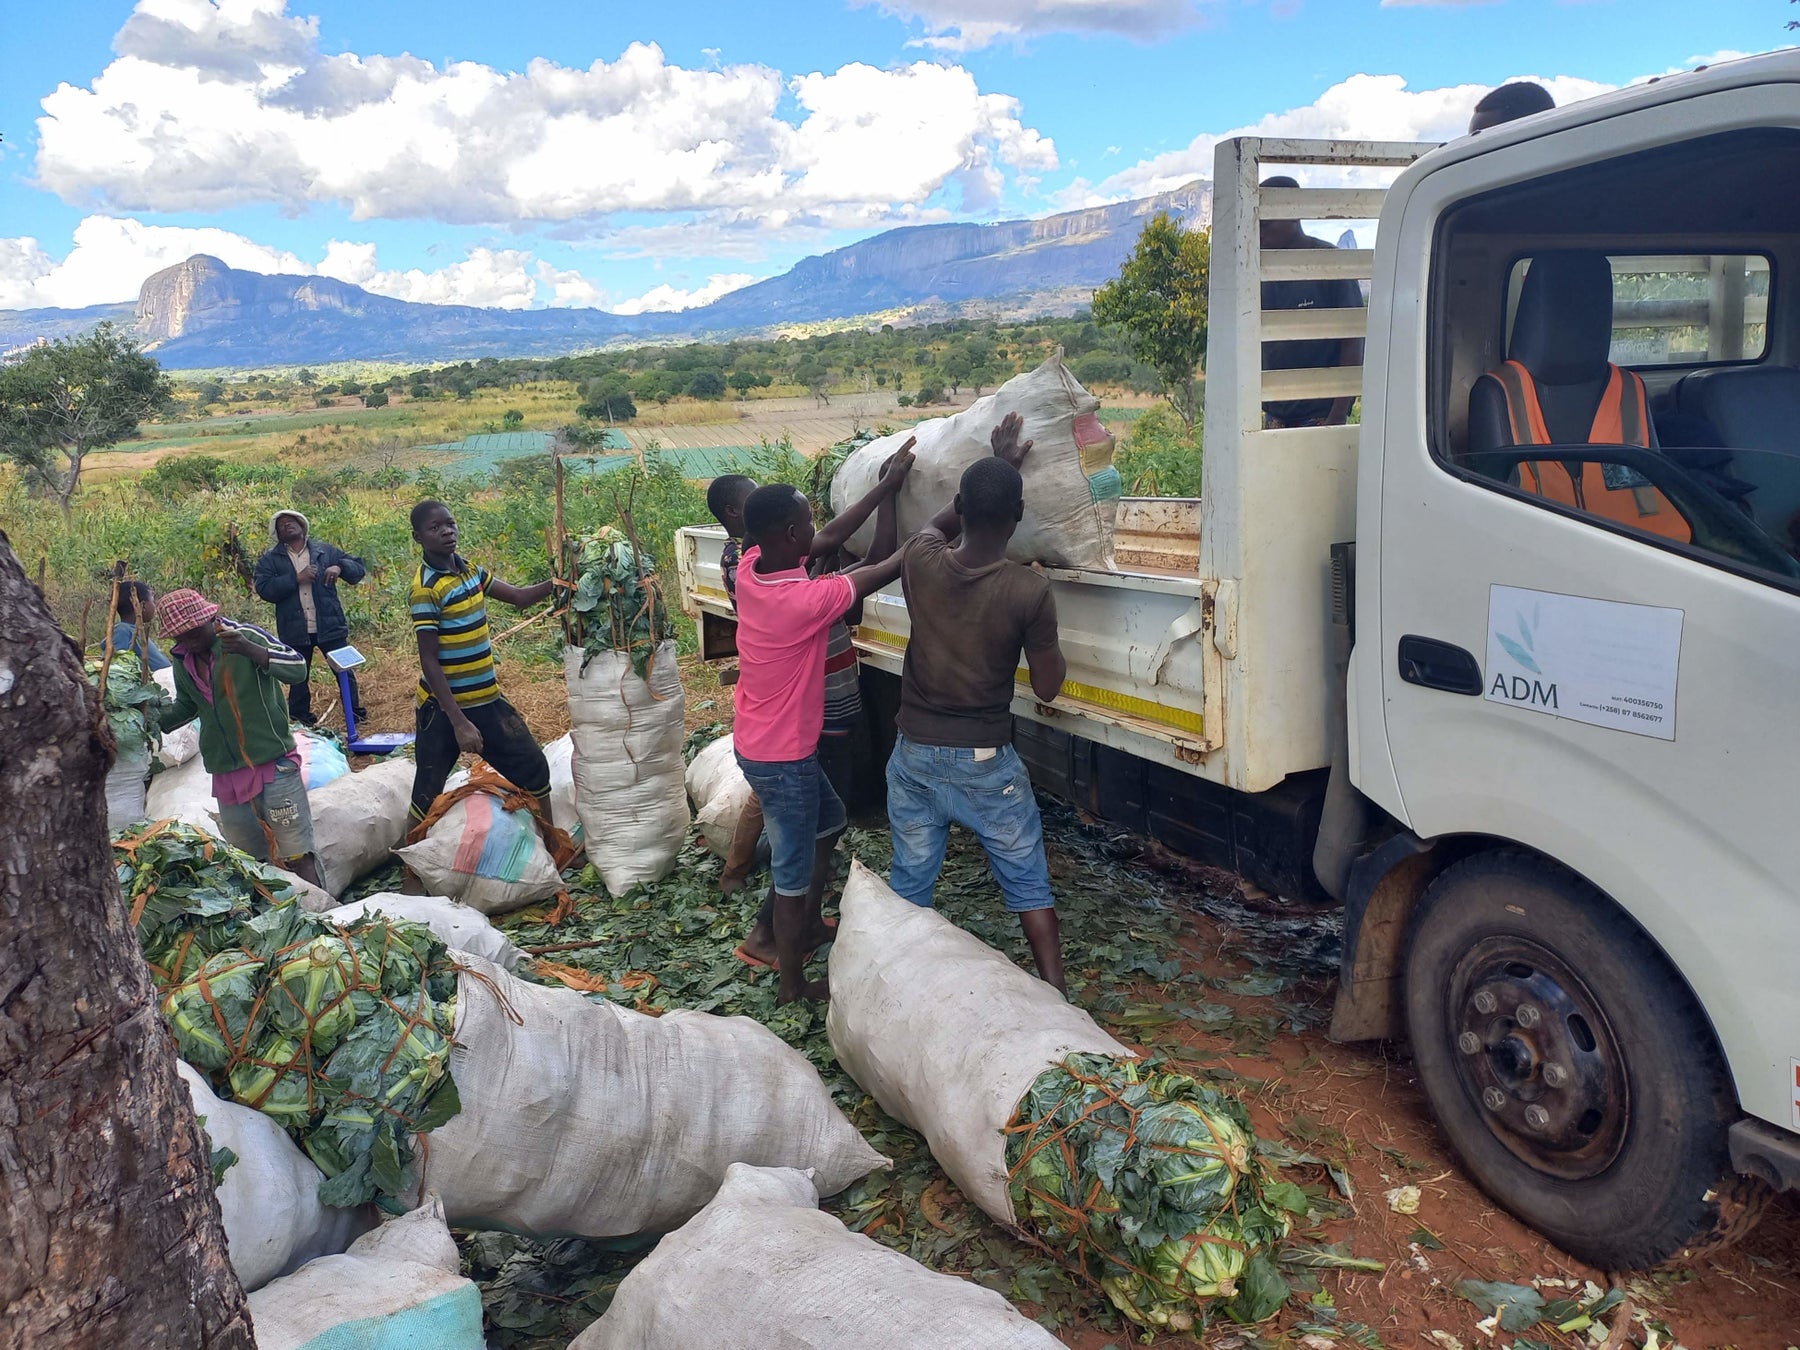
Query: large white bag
point(359, 819)
point(182, 744)
point(762, 1266)
point(581, 1118)
point(629, 789)
point(944, 1031)
point(274, 1222)
point(395, 1289)
point(1072, 489)
point(184, 793)
point(712, 769)
point(720, 793)
point(486, 856)
point(456, 925)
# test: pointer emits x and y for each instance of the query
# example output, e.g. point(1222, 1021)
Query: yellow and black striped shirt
point(454, 606)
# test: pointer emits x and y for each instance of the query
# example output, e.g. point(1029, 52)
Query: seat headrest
point(1562, 333)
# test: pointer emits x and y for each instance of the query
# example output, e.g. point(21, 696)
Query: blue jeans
point(799, 808)
point(929, 786)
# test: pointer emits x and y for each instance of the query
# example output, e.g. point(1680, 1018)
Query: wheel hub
point(1538, 1057)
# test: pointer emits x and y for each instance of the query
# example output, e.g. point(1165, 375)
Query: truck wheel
point(1571, 1069)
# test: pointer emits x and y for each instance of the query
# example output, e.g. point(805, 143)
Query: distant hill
point(201, 313)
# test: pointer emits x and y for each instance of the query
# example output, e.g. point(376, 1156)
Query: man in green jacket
point(229, 675)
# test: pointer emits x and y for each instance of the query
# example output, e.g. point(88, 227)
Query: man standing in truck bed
point(1311, 354)
point(973, 612)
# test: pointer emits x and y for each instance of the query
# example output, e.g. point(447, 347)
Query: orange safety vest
point(1623, 418)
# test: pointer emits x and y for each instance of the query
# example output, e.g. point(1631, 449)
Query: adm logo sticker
point(1597, 661)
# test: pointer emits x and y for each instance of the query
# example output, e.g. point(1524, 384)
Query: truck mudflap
point(1385, 884)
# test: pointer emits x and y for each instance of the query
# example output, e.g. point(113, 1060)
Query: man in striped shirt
point(460, 707)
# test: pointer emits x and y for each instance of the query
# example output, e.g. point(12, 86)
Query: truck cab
point(1572, 700)
point(1508, 669)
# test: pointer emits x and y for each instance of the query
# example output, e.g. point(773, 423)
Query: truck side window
point(1599, 367)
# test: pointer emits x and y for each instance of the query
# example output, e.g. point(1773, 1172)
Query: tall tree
point(108, 1218)
point(1158, 301)
point(62, 400)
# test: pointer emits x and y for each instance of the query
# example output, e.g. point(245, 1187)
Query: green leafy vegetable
point(1149, 1182)
point(618, 604)
point(1519, 1305)
point(339, 1033)
point(133, 702)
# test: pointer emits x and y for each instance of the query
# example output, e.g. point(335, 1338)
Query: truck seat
point(1562, 334)
point(1750, 407)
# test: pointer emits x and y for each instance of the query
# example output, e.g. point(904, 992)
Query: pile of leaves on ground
point(669, 946)
point(617, 605)
point(132, 701)
point(338, 1033)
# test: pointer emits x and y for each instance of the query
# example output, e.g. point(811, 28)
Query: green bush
point(1160, 457)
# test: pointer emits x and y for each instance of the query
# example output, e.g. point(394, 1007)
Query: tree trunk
point(108, 1220)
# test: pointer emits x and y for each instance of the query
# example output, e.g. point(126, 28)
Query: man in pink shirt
point(783, 620)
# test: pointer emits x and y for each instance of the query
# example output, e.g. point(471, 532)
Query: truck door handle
point(1438, 665)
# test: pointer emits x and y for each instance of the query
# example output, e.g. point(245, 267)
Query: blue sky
point(649, 156)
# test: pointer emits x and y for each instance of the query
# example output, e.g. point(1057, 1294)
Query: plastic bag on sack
point(182, 744)
point(127, 789)
point(485, 855)
point(629, 773)
point(944, 1031)
point(322, 759)
point(635, 1118)
point(359, 819)
point(269, 1195)
point(711, 769)
point(1072, 490)
point(794, 1276)
point(560, 754)
point(397, 1288)
point(456, 924)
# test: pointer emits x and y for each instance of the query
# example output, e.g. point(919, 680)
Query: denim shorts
point(276, 825)
point(988, 793)
point(799, 808)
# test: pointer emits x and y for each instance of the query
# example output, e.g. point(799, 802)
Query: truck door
point(1592, 648)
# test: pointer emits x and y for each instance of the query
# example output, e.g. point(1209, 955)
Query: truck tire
point(1570, 1066)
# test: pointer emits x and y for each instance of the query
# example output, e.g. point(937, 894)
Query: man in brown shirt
point(972, 613)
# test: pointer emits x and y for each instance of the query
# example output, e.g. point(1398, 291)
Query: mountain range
point(201, 313)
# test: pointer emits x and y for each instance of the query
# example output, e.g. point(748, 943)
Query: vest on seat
point(1559, 388)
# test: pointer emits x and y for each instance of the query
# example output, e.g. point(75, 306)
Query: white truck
point(1523, 713)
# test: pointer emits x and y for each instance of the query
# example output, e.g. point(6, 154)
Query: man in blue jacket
point(299, 576)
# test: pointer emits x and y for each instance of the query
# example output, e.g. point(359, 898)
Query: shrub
point(1159, 456)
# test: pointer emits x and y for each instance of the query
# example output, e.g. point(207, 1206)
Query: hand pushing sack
point(762, 1266)
point(1072, 489)
point(584, 1119)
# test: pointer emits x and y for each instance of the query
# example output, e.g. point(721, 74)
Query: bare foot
point(761, 945)
point(813, 991)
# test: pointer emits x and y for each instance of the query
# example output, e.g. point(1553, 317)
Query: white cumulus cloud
point(110, 257)
point(218, 103)
point(667, 299)
point(963, 25)
point(1363, 107)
